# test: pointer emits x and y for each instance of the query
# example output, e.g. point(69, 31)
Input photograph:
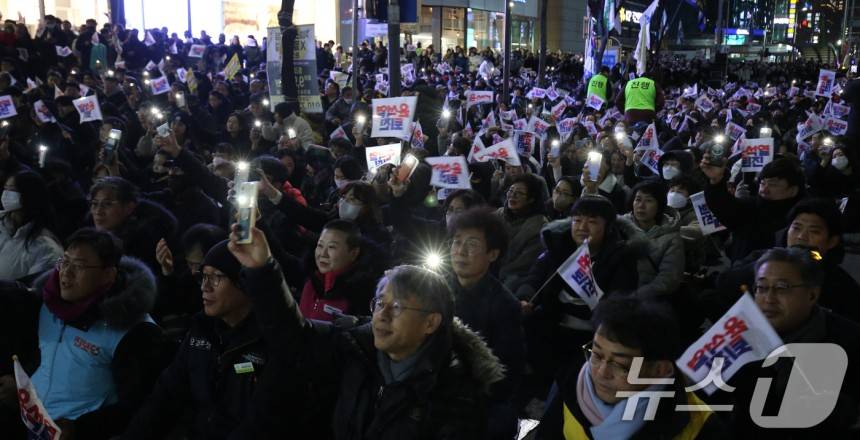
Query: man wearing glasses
point(787, 289)
point(590, 400)
point(217, 366)
point(84, 335)
point(412, 372)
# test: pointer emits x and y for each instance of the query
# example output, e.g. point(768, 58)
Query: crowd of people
point(371, 304)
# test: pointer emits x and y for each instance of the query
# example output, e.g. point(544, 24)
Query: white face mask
point(340, 183)
point(670, 172)
point(347, 210)
point(839, 162)
point(676, 200)
point(11, 200)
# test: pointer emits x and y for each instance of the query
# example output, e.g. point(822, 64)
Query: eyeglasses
point(105, 204)
point(517, 194)
point(596, 359)
point(66, 265)
point(779, 289)
point(470, 246)
point(396, 309)
point(213, 279)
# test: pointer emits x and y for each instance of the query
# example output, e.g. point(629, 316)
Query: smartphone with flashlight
point(111, 145)
point(407, 167)
point(594, 160)
point(180, 100)
point(246, 202)
point(715, 154)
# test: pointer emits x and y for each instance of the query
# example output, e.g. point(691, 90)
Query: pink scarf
point(584, 399)
point(67, 311)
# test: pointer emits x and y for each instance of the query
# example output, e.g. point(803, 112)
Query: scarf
point(606, 418)
point(67, 311)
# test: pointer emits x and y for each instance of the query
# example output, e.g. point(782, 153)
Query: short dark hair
point(274, 168)
point(106, 245)
point(687, 183)
point(784, 168)
point(124, 190)
point(352, 231)
point(470, 198)
point(595, 206)
point(806, 261)
point(824, 208)
point(535, 187)
point(204, 235)
point(654, 188)
point(637, 323)
point(349, 166)
point(486, 220)
point(284, 109)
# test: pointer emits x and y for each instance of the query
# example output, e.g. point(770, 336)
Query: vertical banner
point(708, 222)
point(826, 79)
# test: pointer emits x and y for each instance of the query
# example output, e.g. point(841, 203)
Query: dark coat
point(753, 222)
point(204, 380)
point(443, 398)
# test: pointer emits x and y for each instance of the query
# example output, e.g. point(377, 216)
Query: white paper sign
point(741, 336)
point(381, 155)
point(392, 117)
point(651, 159)
point(836, 126)
point(63, 51)
point(734, 131)
point(756, 154)
point(826, 79)
point(196, 51)
point(7, 107)
point(42, 112)
point(449, 172)
point(594, 102)
point(89, 109)
point(576, 272)
point(503, 150)
point(159, 85)
point(475, 97)
point(524, 141)
point(708, 222)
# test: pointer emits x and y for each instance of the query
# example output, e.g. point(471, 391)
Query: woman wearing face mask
point(237, 134)
point(834, 176)
point(27, 244)
point(651, 224)
point(564, 195)
point(697, 250)
point(343, 272)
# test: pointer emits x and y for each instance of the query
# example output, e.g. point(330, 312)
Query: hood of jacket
point(470, 349)
point(129, 299)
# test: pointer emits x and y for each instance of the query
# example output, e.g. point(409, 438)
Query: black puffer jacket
point(214, 376)
point(444, 398)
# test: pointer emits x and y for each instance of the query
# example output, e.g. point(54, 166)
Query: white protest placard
point(708, 222)
point(392, 117)
point(477, 147)
point(63, 51)
point(89, 109)
point(449, 172)
point(753, 108)
point(33, 413)
point(42, 112)
point(536, 93)
point(338, 133)
point(576, 272)
point(148, 40)
point(503, 150)
point(594, 102)
point(538, 126)
point(651, 159)
point(381, 155)
point(826, 79)
point(196, 51)
point(741, 336)
point(159, 85)
point(520, 124)
point(340, 78)
point(489, 121)
point(812, 125)
point(181, 74)
point(756, 154)
point(836, 126)
point(7, 107)
point(476, 97)
point(590, 128)
point(558, 109)
point(417, 140)
point(509, 115)
point(691, 92)
point(840, 111)
point(734, 131)
point(552, 94)
point(649, 140)
point(565, 128)
point(524, 141)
